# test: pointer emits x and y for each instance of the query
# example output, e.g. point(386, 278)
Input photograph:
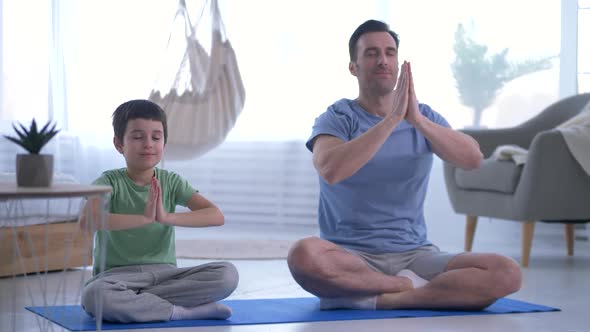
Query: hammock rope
point(207, 93)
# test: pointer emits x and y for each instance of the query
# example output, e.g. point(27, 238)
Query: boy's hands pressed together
point(161, 213)
point(154, 208)
point(203, 213)
point(152, 202)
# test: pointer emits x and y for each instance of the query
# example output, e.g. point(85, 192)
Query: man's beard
point(381, 88)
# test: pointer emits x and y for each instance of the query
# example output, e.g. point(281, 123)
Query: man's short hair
point(368, 26)
point(137, 109)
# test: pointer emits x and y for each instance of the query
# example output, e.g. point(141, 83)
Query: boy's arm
point(90, 218)
point(203, 213)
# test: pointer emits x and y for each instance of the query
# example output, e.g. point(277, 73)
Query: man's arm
point(336, 160)
point(450, 145)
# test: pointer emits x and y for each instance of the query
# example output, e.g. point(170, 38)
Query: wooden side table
point(32, 250)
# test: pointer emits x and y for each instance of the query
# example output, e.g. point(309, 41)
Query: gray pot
point(34, 170)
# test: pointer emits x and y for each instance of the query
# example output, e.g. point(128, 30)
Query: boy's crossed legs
point(161, 292)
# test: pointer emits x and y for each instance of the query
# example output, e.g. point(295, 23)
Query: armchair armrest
point(489, 139)
point(553, 185)
point(523, 134)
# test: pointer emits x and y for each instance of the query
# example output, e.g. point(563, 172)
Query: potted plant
point(33, 169)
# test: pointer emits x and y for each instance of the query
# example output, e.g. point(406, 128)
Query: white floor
point(552, 279)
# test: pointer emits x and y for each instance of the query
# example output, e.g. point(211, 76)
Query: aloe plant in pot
point(33, 169)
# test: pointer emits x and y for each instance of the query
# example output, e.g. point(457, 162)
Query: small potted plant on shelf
point(33, 169)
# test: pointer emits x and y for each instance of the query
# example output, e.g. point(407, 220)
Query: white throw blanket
point(576, 132)
point(511, 153)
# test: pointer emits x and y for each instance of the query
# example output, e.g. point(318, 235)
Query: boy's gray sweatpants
point(145, 293)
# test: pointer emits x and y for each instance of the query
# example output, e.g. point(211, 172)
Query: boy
point(140, 281)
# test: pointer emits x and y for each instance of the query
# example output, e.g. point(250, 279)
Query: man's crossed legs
point(350, 279)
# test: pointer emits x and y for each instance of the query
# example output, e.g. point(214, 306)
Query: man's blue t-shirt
point(379, 209)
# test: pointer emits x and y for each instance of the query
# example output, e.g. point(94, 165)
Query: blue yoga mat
point(275, 311)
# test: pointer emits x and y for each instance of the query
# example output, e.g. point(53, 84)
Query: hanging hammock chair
point(207, 94)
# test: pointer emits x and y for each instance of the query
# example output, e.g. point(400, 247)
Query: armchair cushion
point(493, 175)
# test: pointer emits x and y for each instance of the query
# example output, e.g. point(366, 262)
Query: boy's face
point(143, 144)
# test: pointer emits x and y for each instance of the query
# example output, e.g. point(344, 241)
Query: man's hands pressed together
point(413, 115)
point(401, 94)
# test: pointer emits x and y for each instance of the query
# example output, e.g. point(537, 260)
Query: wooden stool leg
point(528, 229)
point(569, 238)
point(470, 227)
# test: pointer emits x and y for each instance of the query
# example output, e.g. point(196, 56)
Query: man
point(374, 156)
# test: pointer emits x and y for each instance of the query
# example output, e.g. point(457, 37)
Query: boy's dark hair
point(368, 26)
point(137, 109)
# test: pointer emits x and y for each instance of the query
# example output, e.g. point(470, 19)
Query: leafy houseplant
point(33, 169)
point(481, 76)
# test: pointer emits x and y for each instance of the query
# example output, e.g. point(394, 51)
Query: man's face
point(143, 143)
point(376, 64)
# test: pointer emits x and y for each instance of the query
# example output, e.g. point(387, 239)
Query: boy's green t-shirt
point(149, 244)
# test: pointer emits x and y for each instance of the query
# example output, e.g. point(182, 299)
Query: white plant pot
point(34, 170)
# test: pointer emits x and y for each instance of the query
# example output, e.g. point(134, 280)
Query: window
point(428, 38)
point(583, 46)
point(293, 57)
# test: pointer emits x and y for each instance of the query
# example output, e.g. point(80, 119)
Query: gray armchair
point(551, 186)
